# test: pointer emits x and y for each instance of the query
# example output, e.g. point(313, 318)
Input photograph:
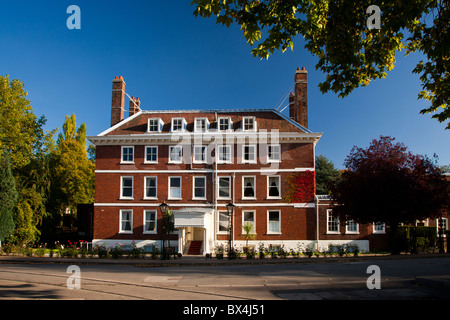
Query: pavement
point(438, 282)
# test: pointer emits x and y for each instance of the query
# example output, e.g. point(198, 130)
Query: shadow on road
point(26, 291)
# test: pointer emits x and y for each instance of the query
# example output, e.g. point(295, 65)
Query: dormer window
point(155, 125)
point(249, 124)
point(201, 125)
point(178, 125)
point(225, 124)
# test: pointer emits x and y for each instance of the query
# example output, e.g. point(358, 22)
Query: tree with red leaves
point(388, 184)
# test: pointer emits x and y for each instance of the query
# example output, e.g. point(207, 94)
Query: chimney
point(298, 101)
point(135, 106)
point(118, 101)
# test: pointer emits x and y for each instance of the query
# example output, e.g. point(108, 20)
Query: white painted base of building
point(288, 245)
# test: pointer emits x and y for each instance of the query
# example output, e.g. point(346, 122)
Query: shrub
point(309, 250)
point(262, 250)
point(282, 252)
point(250, 252)
point(116, 252)
point(101, 251)
point(136, 252)
point(155, 252)
point(39, 252)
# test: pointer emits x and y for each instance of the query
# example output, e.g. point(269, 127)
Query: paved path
point(195, 278)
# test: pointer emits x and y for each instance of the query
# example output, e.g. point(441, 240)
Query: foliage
point(300, 187)
point(23, 138)
point(219, 251)
point(8, 197)
point(18, 123)
point(326, 174)
point(350, 53)
point(386, 183)
point(248, 232)
point(72, 172)
point(419, 237)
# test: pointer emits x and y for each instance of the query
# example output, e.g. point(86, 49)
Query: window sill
point(333, 232)
point(273, 233)
point(125, 232)
point(149, 232)
point(121, 198)
point(126, 162)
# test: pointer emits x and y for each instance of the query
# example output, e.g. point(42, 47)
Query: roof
point(136, 124)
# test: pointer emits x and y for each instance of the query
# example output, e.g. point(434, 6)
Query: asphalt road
point(347, 280)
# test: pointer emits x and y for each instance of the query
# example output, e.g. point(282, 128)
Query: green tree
point(350, 53)
point(8, 197)
point(72, 172)
point(18, 124)
point(326, 174)
point(22, 136)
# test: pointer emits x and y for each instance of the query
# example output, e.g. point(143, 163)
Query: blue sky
point(172, 60)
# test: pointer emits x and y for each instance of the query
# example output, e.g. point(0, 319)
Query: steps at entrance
point(195, 247)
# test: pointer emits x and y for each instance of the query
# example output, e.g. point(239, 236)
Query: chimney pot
point(118, 101)
point(298, 101)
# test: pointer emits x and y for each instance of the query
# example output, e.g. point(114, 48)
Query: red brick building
point(198, 161)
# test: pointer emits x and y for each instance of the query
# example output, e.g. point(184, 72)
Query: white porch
point(194, 224)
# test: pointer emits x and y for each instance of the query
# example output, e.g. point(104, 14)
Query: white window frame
point(253, 120)
point(383, 229)
point(230, 124)
point(156, 188)
point(250, 146)
point(194, 197)
point(155, 231)
point(337, 222)
point(220, 153)
point(159, 125)
point(279, 222)
point(279, 187)
point(121, 230)
point(225, 213)
point(169, 188)
point(254, 188)
point(151, 161)
point(229, 187)
point(205, 125)
point(253, 221)
point(351, 222)
point(170, 154)
point(202, 153)
point(122, 154)
point(271, 159)
point(182, 125)
point(122, 197)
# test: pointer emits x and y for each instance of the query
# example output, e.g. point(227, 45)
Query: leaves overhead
point(350, 54)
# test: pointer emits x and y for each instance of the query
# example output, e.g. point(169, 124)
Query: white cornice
point(205, 138)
